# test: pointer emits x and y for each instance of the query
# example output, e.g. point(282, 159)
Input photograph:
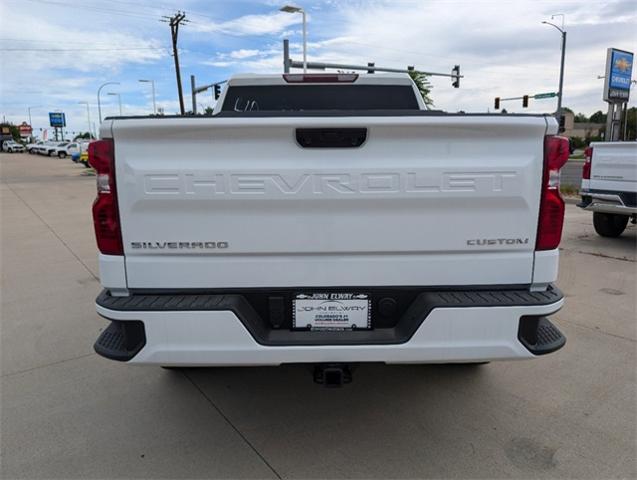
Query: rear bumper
point(216, 330)
point(622, 203)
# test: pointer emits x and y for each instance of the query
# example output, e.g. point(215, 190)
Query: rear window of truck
point(277, 98)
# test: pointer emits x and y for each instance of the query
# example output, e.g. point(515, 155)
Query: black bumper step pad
point(539, 335)
point(122, 340)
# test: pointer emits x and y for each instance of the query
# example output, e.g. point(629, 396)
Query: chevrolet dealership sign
point(619, 69)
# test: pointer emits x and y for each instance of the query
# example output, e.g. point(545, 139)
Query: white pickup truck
point(609, 186)
point(328, 219)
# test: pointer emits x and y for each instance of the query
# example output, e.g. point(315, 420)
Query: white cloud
point(79, 50)
point(503, 48)
point(244, 53)
point(265, 24)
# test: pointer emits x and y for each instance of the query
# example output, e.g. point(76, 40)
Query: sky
point(55, 54)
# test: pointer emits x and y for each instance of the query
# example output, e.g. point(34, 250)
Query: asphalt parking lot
point(68, 413)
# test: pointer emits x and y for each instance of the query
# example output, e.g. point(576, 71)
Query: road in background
point(68, 413)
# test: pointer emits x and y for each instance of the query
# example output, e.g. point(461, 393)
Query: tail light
point(108, 231)
point(588, 158)
point(549, 232)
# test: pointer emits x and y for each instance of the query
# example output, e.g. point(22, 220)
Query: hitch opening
point(332, 375)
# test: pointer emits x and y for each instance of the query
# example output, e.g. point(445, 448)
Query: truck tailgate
point(614, 166)
point(237, 203)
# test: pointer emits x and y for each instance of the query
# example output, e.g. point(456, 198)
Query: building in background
point(582, 130)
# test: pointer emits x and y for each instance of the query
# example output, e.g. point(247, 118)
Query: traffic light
point(525, 101)
point(456, 76)
point(217, 91)
point(497, 103)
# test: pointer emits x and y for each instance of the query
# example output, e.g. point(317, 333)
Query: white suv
point(65, 149)
point(12, 146)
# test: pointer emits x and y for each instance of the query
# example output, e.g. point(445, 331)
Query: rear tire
point(62, 154)
point(609, 224)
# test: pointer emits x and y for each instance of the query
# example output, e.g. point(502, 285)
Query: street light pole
point(293, 9)
point(304, 42)
point(152, 83)
point(29, 110)
point(88, 117)
point(561, 87)
point(99, 105)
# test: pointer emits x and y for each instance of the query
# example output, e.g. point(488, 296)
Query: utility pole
point(194, 94)
point(177, 19)
point(286, 56)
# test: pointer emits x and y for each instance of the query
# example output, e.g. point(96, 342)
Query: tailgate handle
point(331, 137)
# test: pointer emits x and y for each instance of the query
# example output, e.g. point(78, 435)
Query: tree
point(15, 131)
point(566, 109)
point(207, 112)
point(581, 118)
point(598, 117)
point(83, 136)
point(424, 87)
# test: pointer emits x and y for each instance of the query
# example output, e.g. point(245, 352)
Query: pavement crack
point(597, 330)
point(229, 422)
point(27, 370)
point(600, 255)
point(52, 231)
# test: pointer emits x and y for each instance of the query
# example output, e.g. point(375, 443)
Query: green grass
point(569, 190)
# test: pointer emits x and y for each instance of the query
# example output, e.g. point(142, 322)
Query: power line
point(96, 9)
point(78, 49)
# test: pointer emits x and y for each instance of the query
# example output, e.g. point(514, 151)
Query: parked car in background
point(12, 146)
point(83, 158)
point(31, 147)
point(65, 149)
point(49, 148)
point(44, 147)
point(609, 186)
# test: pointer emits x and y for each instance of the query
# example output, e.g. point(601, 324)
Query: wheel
point(609, 224)
point(49, 154)
point(62, 154)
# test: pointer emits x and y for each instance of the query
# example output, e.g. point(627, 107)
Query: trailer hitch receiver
point(332, 375)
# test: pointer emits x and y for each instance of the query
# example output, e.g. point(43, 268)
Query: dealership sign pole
point(617, 81)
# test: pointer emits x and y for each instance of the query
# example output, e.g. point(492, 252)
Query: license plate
point(332, 311)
